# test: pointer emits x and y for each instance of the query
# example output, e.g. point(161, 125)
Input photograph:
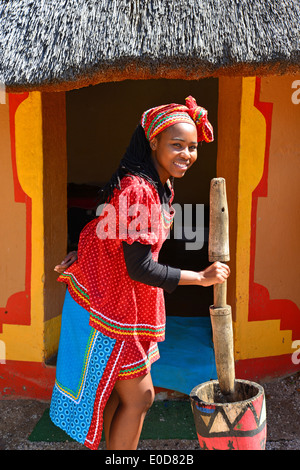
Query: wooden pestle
point(220, 312)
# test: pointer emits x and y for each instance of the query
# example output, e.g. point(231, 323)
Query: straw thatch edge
point(133, 71)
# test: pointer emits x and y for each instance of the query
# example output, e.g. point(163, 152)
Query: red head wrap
point(155, 120)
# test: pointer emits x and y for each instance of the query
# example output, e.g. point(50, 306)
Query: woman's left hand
point(66, 263)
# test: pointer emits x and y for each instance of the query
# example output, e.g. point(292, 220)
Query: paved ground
point(18, 418)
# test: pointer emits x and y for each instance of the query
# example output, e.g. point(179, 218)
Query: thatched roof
point(65, 44)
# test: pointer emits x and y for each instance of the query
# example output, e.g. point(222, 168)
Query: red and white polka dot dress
point(120, 307)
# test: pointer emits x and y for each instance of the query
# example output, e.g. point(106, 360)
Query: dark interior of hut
point(100, 120)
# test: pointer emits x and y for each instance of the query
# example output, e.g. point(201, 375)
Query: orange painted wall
point(277, 254)
point(34, 229)
point(15, 217)
point(274, 264)
point(13, 236)
point(258, 155)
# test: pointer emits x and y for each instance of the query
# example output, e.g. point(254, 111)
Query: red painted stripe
point(262, 369)
point(260, 306)
point(22, 379)
point(256, 442)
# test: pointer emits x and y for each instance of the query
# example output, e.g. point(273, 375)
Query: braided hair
point(136, 161)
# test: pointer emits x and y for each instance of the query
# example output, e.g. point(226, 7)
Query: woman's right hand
point(216, 273)
point(66, 263)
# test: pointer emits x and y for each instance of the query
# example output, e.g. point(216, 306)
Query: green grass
point(165, 420)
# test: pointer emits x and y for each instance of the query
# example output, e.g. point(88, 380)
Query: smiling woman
point(116, 285)
point(174, 150)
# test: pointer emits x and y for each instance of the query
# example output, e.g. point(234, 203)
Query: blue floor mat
point(186, 356)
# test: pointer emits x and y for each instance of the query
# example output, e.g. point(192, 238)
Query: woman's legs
point(125, 412)
point(109, 411)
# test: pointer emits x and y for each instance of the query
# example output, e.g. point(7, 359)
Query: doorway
point(100, 121)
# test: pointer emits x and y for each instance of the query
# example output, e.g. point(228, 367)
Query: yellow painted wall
point(13, 236)
point(33, 124)
point(255, 338)
point(41, 168)
point(229, 117)
point(277, 265)
point(25, 342)
point(241, 159)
